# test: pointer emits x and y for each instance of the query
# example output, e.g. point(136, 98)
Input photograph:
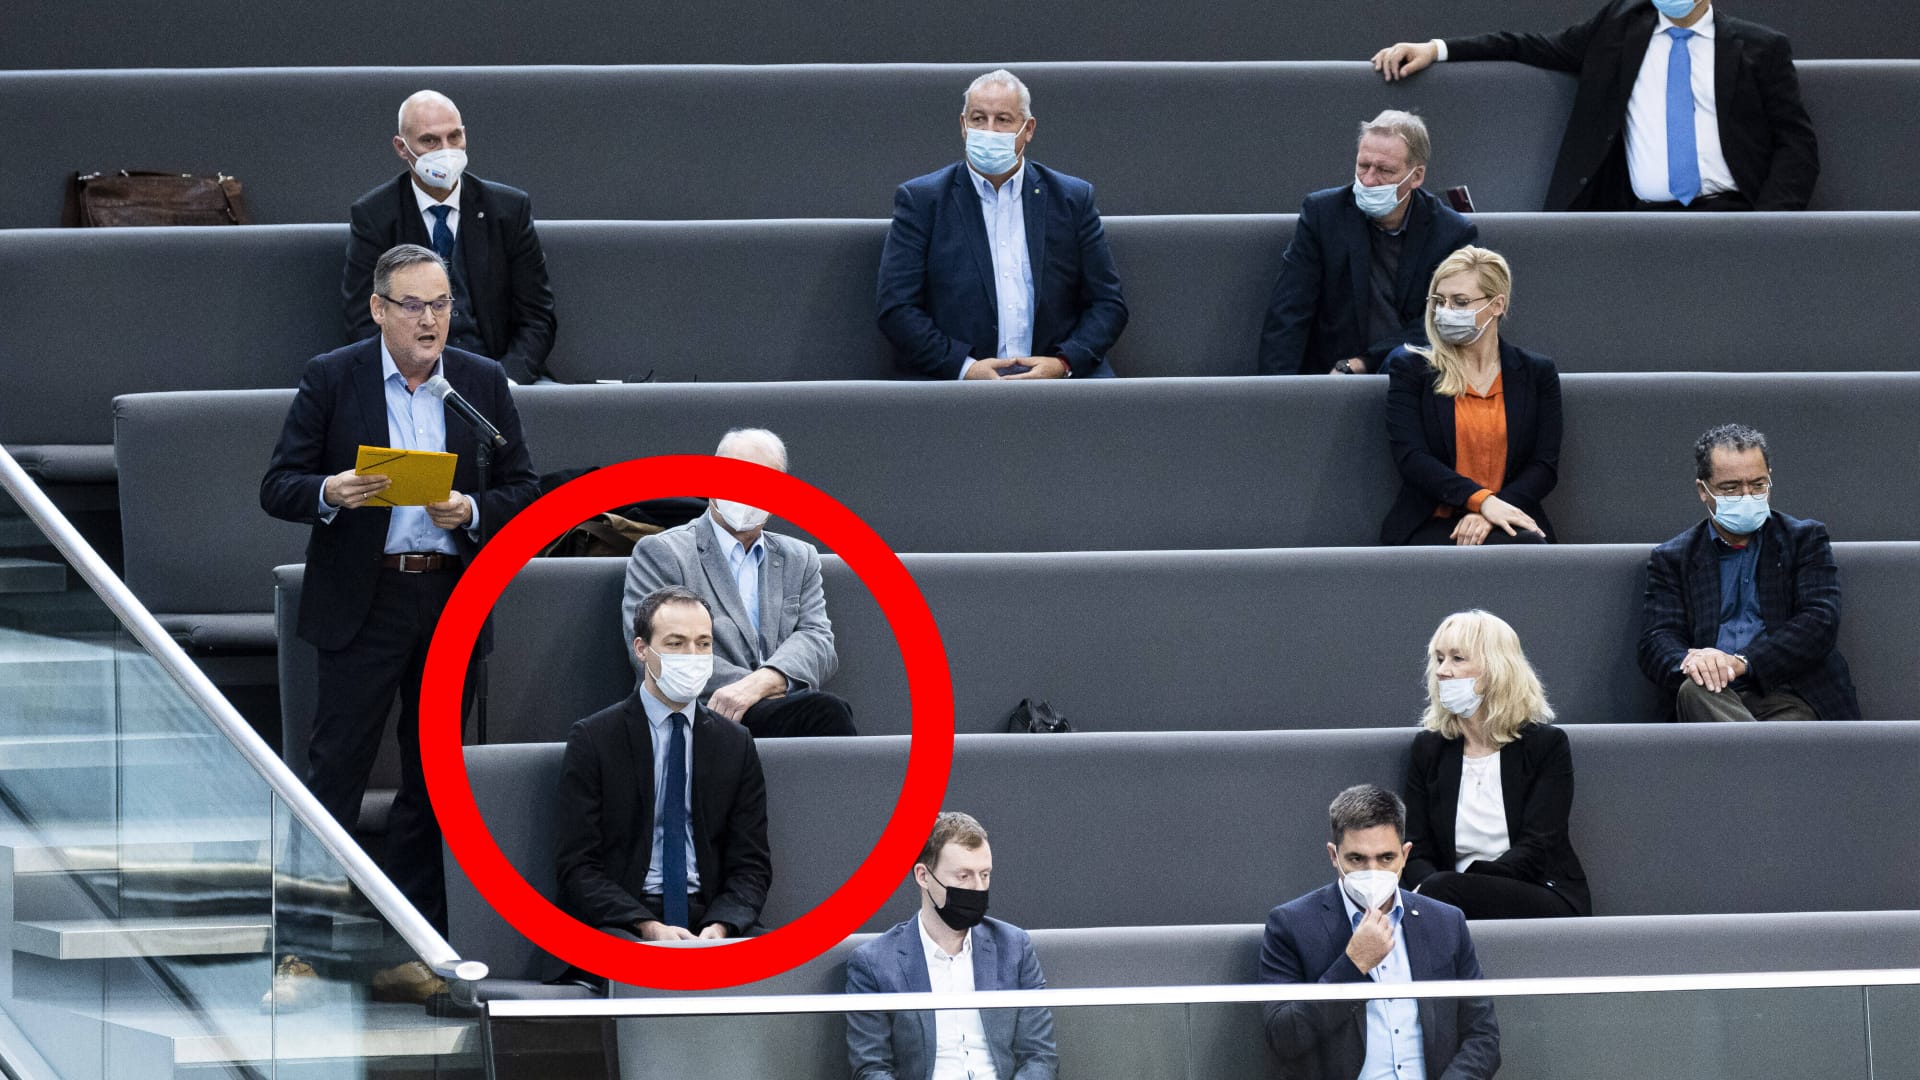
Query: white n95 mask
point(738, 516)
point(1369, 889)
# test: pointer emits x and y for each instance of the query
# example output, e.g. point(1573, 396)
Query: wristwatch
point(1742, 657)
point(1344, 367)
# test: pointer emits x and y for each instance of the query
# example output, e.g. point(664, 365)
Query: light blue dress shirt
point(658, 722)
point(1006, 218)
point(746, 563)
point(1394, 1049)
point(416, 420)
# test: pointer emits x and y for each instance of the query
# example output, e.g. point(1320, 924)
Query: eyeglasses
point(417, 308)
point(1733, 489)
point(1457, 303)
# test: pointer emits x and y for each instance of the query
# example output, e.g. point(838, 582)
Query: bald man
point(502, 306)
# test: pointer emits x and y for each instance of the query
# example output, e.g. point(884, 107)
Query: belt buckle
point(406, 563)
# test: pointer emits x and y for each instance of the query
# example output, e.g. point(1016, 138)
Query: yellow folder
point(418, 477)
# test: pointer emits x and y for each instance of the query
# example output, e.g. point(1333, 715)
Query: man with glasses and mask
point(1363, 927)
point(1353, 281)
point(773, 643)
point(997, 267)
point(483, 231)
point(1743, 609)
point(950, 946)
point(378, 575)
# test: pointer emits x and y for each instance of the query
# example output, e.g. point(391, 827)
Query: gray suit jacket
point(900, 1045)
point(795, 638)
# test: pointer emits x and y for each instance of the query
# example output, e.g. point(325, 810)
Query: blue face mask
point(1673, 9)
point(992, 152)
point(1740, 514)
point(1379, 200)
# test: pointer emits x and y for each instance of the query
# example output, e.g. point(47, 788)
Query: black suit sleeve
point(366, 242)
point(587, 891)
point(1103, 310)
point(746, 863)
point(1542, 829)
point(1295, 1029)
point(1664, 631)
point(1296, 295)
point(534, 324)
point(1478, 1055)
point(290, 490)
point(1782, 653)
point(1795, 152)
point(1563, 50)
point(919, 345)
point(1427, 859)
point(1538, 477)
point(1415, 329)
point(1408, 385)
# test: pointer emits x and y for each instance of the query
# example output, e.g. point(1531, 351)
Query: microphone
point(483, 428)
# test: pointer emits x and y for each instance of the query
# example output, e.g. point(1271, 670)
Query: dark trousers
point(1487, 896)
point(1724, 202)
point(357, 688)
point(1439, 532)
point(696, 914)
point(802, 714)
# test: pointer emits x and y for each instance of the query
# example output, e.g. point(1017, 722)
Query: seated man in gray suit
point(772, 641)
point(950, 946)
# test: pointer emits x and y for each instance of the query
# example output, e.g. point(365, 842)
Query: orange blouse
point(1480, 442)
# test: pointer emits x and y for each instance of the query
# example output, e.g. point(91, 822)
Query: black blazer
point(936, 294)
point(498, 250)
point(1420, 431)
point(341, 406)
point(604, 819)
point(1317, 315)
point(1536, 784)
point(1799, 589)
point(1765, 132)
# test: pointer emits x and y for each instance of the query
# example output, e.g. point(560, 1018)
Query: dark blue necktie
point(1683, 158)
point(673, 826)
point(443, 235)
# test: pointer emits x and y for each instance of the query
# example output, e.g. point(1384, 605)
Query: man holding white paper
point(378, 575)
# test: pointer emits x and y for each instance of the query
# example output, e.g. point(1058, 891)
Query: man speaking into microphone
point(378, 575)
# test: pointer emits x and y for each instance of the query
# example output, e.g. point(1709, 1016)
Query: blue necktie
point(443, 236)
point(673, 826)
point(1683, 158)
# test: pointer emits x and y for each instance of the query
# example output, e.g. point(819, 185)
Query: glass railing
point(1796, 1026)
point(175, 903)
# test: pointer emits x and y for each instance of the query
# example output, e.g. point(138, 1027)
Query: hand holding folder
point(417, 477)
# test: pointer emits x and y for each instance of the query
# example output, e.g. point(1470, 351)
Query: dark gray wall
point(201, 33)
point(834, 141)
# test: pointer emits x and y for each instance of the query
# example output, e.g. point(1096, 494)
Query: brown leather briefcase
point(153, 198)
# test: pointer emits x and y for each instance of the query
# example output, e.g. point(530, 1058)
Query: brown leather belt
point(420, 562)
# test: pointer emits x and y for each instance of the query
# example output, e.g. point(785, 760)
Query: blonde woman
point(1490, 782)
point(1474, 422)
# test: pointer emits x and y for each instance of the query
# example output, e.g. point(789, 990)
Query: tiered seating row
point(50, 33)
point(191, 309)
point(1132, 464)
point(677, 142)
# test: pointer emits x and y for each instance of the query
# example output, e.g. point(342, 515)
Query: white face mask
point(682, 676)
point(1369, 888)
point(440, 169)
point(1457, 697)
point(739, 516)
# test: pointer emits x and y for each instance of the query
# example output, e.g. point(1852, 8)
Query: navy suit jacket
point(498, 251)
point(1799, 588)
point(341, 406)
point(1765, 132)
point(937, 300)
point(900, 1045)
point(1420, 431)
point(1318, 314)
point(1306, 942)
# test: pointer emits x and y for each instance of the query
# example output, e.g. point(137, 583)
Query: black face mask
point(964, 907)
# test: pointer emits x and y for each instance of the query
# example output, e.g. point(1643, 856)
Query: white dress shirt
point(1006, 219)
point(959, 1038)
point(659, 725)
point(1480, 822)
point(426, 210)
point(1395, 1049)
point(1647, 115)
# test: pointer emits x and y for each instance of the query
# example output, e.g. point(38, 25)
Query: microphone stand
point(483, 463)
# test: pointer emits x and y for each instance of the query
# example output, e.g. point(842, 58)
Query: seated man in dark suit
point(502, 307)
point(662, 814)
point(1353, 282)
point(1365, 927)
point(1678, 107)
point(772, 641)
point(950, 946)
point(998, 268)
point(1743, 609)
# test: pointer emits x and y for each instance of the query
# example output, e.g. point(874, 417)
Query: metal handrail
point(774, 1004)
point(412, 926)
